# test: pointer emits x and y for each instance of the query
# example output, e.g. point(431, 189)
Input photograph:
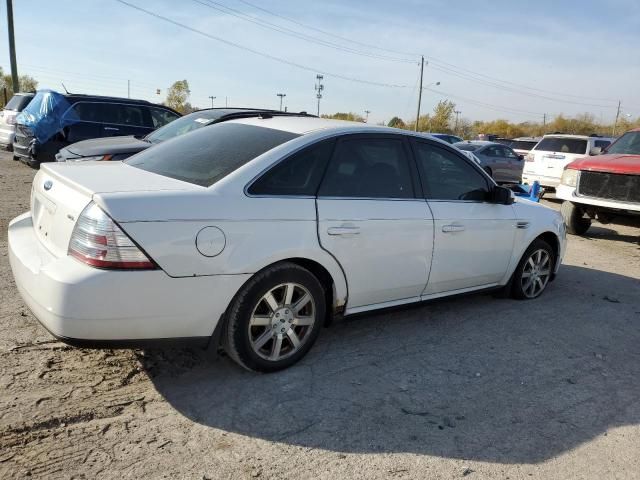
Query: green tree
point(178, 96)
point(27, 84)
point(442, 118)
point(352, 117)
point(396, 122)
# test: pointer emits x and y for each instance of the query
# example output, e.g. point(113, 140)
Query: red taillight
point(98, 241)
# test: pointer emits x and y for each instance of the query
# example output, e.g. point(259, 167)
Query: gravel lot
point(471, 387)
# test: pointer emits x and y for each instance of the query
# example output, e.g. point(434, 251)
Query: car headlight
point(569, 177)
point(94, 158)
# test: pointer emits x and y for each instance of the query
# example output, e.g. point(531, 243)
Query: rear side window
point(299, 174)
point(447, 176)
point(87, 111)
point(206, 155)
point(562, 145)
point(160, 116)
point(123, 114)
point(368, 168)
point(18, 102)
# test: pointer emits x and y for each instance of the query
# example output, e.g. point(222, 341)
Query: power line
point(287, 31)
point(443, 64)
point(325, 32)
point(511, 89)
point(256, 52)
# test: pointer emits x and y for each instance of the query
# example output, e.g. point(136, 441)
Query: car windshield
point(562, 145)
point(628, 143)
point(183, 125)
point(469, 147)
point(209, 154)
point(18, 102)
point(523, 144)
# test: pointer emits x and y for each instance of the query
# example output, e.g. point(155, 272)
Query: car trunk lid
point(60, 193)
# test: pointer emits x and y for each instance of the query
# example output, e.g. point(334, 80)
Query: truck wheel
point(574, 218)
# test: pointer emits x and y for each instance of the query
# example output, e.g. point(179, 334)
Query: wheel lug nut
point(282, 330)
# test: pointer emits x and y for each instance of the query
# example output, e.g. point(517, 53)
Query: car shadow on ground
point(603, 233)
point(472, 377)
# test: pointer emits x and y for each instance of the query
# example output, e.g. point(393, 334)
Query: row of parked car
point(73, 127)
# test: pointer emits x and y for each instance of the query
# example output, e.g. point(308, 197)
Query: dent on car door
point(473, 238)
point(371, 221)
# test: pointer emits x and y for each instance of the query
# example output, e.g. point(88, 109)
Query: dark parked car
point(498, 160)
point(445, 137)
point(53, 120)
point(8, 118)
point(120, 148)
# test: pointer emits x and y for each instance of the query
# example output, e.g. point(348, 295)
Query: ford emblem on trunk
point(48, 184)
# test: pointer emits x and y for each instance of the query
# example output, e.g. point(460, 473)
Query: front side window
point(509, 153)
point(562, 145)
point(493, 151)
point(209, 154)
point(160, 116)
point(602, 143)
point(368, 168)
point(446, 176)
point(298, 175)
point(629, 143)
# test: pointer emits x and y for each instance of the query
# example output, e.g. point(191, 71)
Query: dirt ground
point(471, 387)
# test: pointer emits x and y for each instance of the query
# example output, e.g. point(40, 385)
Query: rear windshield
point(469, 147)
point(183, 125)
point(562, 145)
point(18, 102)
point(207, 155)
point(523, 144)
point(628, 143)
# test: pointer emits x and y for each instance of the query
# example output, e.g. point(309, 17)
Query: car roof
point(481, 142)
point(580, 137)
point(527, 139)
point(306, 124)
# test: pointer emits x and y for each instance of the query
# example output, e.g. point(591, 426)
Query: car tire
point(534, 271)
point(574, 218)
point(262, 320)
point(16, 158)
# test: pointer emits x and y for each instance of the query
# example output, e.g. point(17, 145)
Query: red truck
point(604, 187)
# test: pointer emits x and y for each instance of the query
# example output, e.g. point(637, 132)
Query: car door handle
point(113, 129)
point(452, 228)
point(344, 230)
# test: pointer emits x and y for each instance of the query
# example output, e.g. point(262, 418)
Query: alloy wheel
point(536, 273)
point(282, 321)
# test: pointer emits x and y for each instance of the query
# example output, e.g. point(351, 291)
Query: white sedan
point(253, 233)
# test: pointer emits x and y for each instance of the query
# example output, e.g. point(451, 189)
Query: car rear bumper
point(541, 179)
point(85, 306)
point(7, 134)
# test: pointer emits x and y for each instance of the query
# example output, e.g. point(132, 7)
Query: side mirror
point(595, 151)
point(520, 157)
point(501, 195)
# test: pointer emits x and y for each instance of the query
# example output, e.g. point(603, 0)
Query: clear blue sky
point(502, 57)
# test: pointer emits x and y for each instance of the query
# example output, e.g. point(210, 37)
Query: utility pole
point(12, 48)
point(366, 119)
point(319, 89)
point(128, 88)
point(212, 99)
point(226, 102)
point(281, 95)
point(457, 112)
point(544, 121)
point(615, 124)
point(420, 92)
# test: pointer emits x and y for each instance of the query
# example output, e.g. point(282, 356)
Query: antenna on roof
point(65, 88)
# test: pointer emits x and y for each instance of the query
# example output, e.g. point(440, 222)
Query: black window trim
point(111, 103)
point(299, 149)
point(491, 184)
point(413, 168)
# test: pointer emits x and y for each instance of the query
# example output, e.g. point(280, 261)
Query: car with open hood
point(253, 233)
point(603, 187)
